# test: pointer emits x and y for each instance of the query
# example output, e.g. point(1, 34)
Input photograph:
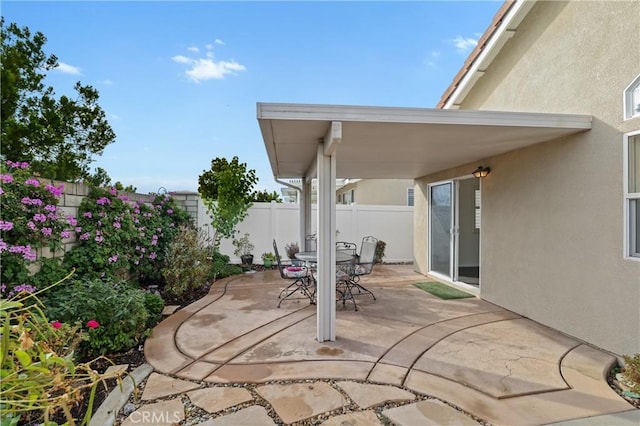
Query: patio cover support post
point(326, 291)
point(305, 212)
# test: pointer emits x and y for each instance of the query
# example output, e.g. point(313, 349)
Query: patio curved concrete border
point(488, 361)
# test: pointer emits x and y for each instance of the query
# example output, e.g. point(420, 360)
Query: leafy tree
point(100, 179)
point(57, 136)
point(266, 197)
point(227, 189)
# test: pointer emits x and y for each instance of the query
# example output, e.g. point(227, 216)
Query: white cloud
point(193, 49)
point(209, 46)
point(68, 69)
point(181, 59)
point(463, 44)
point(107, 82)
point(219, 42)
point(435, 54)
point(207, 68)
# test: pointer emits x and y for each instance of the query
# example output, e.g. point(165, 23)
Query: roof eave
point(502, 28)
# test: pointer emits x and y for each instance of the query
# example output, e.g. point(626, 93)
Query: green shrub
point(39, 375)
point(186, 267)
point(379, 253)
point(221, 268)
point(118, 308)
point(154, 304)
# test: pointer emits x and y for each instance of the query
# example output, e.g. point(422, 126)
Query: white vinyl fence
point(268, 221)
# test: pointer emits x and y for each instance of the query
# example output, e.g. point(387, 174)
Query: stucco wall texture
point(553, 229)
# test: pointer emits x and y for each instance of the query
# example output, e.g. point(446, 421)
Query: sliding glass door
point(441, 197)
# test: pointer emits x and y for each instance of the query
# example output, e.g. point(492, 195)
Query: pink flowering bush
point(122, 239)
point(29, 219)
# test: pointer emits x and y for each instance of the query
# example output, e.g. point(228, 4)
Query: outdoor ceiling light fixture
point(481, 172)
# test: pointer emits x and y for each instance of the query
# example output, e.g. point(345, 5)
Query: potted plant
point(268, 258)
point(292, 249)
point(244, 249)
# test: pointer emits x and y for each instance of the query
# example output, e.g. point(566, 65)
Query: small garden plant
point(40, 375)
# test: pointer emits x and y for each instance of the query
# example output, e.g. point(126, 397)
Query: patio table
point(341, 258)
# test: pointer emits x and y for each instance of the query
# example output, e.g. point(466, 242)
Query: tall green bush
point(187, 267)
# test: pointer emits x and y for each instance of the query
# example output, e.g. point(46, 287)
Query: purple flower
point(152, 255)
point(32, 182)
point(31, 225)
point(99, 239)
point(24, 165)
point(87, 214)
point(78, 229)
point(50, 208)
point(52, 216)
point(36, 201)
point(1, 191)
point(3, 246)
point(6, 226)
point(28, 254)
point(24, 287)
point(85, 236)
point(26, 200)
point(7, 178)
point(123, 197)
point(116, 224)
point(72, 220)
point(154, 242)
point(65, 234)
point(114, 258)
point(113, 191)
point(102, 201)
point(39, 217)
point(169, 211)
point(46, 231)
point(55, 191)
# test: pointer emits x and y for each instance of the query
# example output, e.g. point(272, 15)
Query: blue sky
point(179, 81)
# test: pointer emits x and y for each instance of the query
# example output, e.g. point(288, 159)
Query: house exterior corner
point(553, 225)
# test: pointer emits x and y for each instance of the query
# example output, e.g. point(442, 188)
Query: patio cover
point(335, 141)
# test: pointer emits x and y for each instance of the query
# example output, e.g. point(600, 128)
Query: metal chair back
point(367, 255)
point(310, 243)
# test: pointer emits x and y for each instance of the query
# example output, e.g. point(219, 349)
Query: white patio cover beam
point(333, 138)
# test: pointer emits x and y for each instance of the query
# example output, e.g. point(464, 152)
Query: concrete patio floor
point(491, 364)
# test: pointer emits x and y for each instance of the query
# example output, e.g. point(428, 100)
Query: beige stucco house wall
point(383, 192)
point(552, 227)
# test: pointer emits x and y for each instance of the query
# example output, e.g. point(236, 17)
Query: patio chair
point(299, 276)
point(364, 264)
point(345, 272)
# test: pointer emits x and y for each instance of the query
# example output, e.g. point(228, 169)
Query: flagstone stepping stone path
point(167, 400)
